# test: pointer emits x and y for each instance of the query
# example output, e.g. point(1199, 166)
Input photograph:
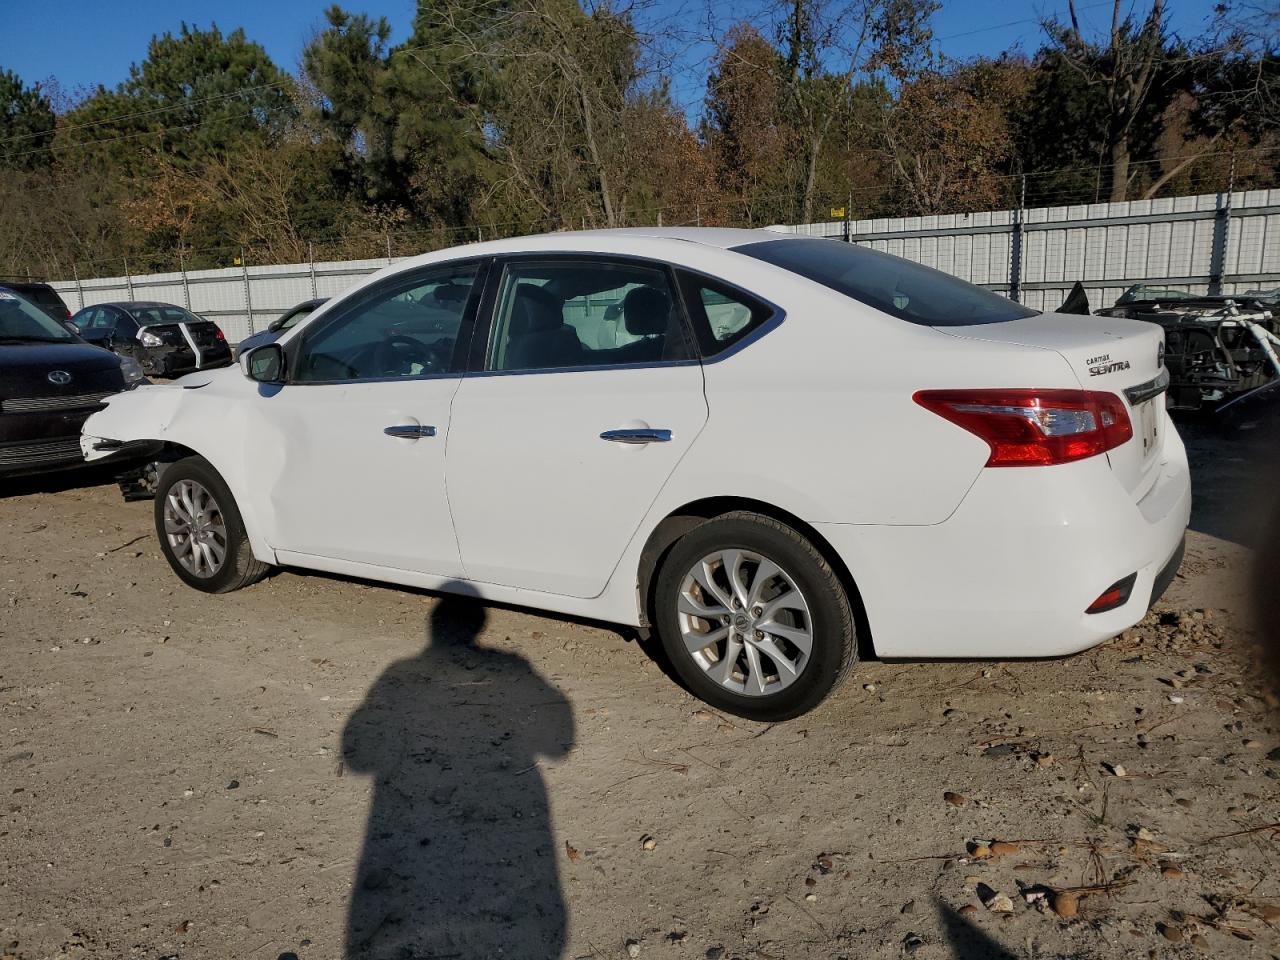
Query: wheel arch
point(685, 518)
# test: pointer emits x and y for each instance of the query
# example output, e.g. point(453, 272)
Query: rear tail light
point(217, 332)
point(1030, 428)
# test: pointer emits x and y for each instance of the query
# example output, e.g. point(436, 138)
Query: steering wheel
point(395, 356)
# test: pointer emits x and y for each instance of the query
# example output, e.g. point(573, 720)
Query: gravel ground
point(324, 768)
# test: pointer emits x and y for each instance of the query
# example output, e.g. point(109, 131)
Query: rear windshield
point(898, 287)
point(150, 316)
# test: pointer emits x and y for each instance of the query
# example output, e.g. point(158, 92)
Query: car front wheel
point(753, 618)
point(200, 529)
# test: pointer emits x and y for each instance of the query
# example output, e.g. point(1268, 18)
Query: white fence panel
point(1228, 243)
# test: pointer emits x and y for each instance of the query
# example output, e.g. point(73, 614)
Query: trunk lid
point(1112, 354)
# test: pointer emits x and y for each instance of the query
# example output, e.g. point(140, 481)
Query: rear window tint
point(722, 315)
point(892, 285)
point(151, 316)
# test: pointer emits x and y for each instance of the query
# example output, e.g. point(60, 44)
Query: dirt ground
point(322, 768)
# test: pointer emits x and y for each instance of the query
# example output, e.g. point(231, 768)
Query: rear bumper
point(1011, 572)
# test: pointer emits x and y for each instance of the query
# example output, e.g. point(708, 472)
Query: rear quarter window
point(901, 288)
point(722, 315)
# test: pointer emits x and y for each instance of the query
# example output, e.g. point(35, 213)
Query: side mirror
point(72, 327)
point(264, 364)
point(275, 325)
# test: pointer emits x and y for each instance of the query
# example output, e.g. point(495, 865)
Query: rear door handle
point(409, 431)
point(645, 435)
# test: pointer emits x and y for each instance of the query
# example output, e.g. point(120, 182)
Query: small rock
point(647, 842)
point(715, 953)
point(1000, 904)
point(633, 948)
point(1065, 903)
point(980, 851)
point(1170, 932)
point(911, 943)
point(869, 687)
point(908, 907)
point(1174, 698)
point(1002, 848)
point(1171, 871)
point(955, 799)
point(233, 785)
point(1116, 769)
point(967, 909)
point(811, 897)
point(1253, 744)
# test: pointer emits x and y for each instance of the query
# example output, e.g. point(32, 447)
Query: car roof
point(25, 285)
point(722, 237)
point(138, 304)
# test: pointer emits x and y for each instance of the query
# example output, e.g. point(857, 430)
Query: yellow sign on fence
point(837, 212)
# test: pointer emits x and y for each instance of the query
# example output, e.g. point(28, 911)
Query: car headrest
point(535, 310)
point(646, 312)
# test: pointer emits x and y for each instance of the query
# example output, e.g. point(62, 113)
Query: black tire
point(239, 567)
point(835, 646)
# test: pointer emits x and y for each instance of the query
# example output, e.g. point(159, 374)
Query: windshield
point(23, 321)
point(898, 287)
point(299, 314)
point(1140, 293)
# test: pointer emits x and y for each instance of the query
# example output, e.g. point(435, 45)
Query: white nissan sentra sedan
point(760, 445)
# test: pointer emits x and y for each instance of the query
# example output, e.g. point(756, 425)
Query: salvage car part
point(1217, 349)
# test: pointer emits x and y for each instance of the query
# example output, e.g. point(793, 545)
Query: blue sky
point(87, 42)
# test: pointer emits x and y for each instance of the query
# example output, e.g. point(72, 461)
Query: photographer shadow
point(459, 856)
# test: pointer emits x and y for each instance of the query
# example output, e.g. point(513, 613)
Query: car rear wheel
point(753, 618)
point(200, 529)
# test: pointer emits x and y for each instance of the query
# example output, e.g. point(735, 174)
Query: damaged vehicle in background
point(1218, 349)
point(50, 381)
point(164, 339)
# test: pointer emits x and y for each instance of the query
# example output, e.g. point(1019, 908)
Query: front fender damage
point(131, 423)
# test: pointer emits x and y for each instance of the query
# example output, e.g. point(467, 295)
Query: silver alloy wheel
point(745, 622)
point(195, 528)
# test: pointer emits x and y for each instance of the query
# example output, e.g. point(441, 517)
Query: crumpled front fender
point(143, 413)
point(207, 413)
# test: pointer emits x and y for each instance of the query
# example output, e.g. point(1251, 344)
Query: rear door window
point(892, 285)
point(557, 314)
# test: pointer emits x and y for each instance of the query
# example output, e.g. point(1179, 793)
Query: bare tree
point(1125, 66)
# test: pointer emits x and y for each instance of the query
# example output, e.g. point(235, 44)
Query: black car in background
point(279, 325)
point(41, 294)
point(50, 381)
point(166, 340)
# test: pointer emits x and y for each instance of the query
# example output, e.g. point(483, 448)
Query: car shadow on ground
point(460, 856)
point(57, 481)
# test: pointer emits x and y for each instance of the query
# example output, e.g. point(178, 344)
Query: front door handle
point(645, 435)
point(409, 431)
